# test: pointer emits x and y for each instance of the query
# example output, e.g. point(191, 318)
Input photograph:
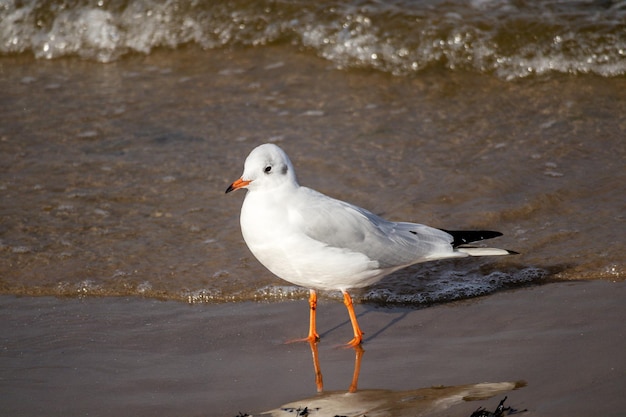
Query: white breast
point(271, 229)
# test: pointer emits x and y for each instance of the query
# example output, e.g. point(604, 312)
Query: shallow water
point(113, 176)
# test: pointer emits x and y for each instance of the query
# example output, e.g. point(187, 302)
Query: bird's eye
point(267, 169)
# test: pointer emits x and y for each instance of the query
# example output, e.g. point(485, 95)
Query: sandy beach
point(140, 357)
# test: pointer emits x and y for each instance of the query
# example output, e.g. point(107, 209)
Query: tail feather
point(485, 251)
point(463, 237)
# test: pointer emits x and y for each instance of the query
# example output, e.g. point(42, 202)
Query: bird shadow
point(402, 313)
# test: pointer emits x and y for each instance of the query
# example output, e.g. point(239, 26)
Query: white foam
point(475, 36)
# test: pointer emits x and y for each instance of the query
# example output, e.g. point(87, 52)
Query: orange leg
point(313, 336)
point(358, 334)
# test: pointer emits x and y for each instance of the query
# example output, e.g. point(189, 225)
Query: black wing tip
point(463, 237)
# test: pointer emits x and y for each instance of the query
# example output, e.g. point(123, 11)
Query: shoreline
point(130, 356)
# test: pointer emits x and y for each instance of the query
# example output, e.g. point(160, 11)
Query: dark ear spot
point(284, 169)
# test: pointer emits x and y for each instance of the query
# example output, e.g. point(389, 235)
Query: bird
point(324, 244)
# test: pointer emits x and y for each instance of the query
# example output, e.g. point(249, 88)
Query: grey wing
point(342, 225)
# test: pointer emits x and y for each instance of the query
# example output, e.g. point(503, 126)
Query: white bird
point(322, 243)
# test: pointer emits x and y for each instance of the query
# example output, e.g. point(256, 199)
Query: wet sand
point(142, 357)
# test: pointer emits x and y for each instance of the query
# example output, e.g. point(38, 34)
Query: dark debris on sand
point(501, 410)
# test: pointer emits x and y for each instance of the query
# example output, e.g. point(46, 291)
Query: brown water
point(112, 176)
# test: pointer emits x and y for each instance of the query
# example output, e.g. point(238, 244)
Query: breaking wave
point(511, 39)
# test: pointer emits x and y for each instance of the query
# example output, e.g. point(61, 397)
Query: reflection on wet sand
point(319, 381)
point(381, 402)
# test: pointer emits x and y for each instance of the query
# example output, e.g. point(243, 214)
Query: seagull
point(325, 244)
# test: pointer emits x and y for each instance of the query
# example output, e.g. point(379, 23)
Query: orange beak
point(240, 183)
